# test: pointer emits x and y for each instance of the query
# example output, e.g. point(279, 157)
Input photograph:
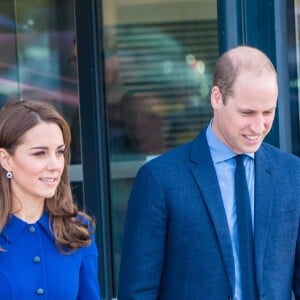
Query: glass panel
point(38, 58)
point(8, 55)
point(159, 58)
point(294, 46)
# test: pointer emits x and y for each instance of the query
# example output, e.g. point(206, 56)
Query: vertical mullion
point(230, 24)
point(93, 133)
point(284, 109)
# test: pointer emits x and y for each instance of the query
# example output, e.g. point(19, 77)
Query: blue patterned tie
point(245, 232)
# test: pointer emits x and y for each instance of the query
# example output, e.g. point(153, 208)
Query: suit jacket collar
point(206, 177)
point(263, 197)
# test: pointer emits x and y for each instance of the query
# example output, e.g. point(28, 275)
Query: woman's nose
point(54, 162)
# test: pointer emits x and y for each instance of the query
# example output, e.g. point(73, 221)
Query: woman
point(47, 245)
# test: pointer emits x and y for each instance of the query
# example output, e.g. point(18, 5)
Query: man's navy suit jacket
point(176, 240)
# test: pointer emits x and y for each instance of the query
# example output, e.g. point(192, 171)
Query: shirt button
point(40, 291)
point(36, 259)
point(31, 229)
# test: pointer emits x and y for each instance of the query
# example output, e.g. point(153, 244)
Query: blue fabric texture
point(177, 242)
point(31, 267)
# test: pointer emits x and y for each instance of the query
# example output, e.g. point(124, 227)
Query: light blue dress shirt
point(224, 162)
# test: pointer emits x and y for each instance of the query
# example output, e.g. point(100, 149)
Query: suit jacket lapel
point(263, 198)
point(206, 177)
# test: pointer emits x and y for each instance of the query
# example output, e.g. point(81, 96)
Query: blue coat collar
point(15, 226)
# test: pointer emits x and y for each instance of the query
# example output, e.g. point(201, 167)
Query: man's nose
point(258, 124)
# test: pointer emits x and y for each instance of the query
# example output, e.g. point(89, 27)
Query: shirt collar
point(219, 151)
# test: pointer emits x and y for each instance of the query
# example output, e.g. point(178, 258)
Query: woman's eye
point(61, 152)
point(40, 153)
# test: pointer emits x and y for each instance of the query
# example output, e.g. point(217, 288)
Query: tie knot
point(240, 159)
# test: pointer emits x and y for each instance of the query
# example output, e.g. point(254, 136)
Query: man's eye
point(268, 113)
point(246, 112)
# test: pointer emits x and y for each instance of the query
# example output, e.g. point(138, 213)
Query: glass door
point(38, 61)
point(293, 10)
point(159, 57)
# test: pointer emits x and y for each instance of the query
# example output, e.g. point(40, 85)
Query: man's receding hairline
point(245, 58)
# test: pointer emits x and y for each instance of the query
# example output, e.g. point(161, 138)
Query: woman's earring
point(9, 175)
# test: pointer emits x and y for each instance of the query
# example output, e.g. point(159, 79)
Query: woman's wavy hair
point(70, 227)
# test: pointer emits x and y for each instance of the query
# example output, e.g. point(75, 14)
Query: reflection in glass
point(8, 55)
point(37, 45)
point(295, 74)
point(158, 69)
point(143, 125)
point(163, 63)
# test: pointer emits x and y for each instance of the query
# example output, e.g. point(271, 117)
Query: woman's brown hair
point(71, 228)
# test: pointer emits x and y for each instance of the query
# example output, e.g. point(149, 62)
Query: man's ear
point(5, 159)
point(216, 97)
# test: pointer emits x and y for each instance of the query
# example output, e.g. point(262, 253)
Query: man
point(182, 239)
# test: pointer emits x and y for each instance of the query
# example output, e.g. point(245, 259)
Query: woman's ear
point(5, 159)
